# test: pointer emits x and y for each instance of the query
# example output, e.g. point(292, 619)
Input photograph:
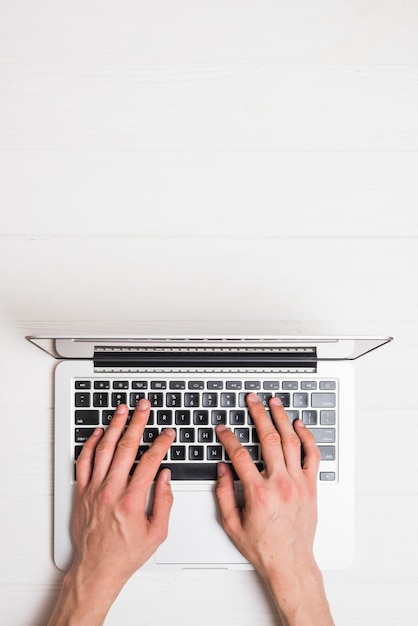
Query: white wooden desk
point(211, 163)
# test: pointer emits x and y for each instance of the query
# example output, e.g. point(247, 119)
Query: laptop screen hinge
point(209, 359)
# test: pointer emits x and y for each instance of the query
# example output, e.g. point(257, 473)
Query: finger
point(290, 441)
point(270, 443)
point(105, 450)
point(240, 457)
point(225, 494)
point(127, 447)
point(84, 465)
point(147, 467)
point(312, 455)
point(161, 508)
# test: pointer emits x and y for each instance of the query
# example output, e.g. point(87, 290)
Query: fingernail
point(121, 408)
point(167, 475)
point(221, 469)
point(221, 428)
point(168, 431)
point(97, 432)
point(301, 423)
point(142, 404)
point(252, 397)
point(276, 401)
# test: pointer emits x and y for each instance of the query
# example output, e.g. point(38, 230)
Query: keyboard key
point(177, 384)
point(141, 452)
point(196, 453)
point(210, 399)
point(290, 385)
point(82, 434)
point(192, 399)
point(254, 451)
point(187, 435)
point(242, 434)
point(82, 384)
point(107, 416)
point(215, 384)
point(327, 476)
point(214, 453)
point(327, 385)
point(87, 418)
point(300, 400)
point(237, 417)
point(252, 385)
point(271, 385)
point(120, 384)
point(118, 398)
point(285, 398)
point(228, 399)
point(293, 414)
point(139, 384)
point(182, 418)
point(309, 385)
point(327, 418)
point(135, 397)
point(178, 453)
point(102, 384)
point(323, 400)
point(164, 417)
point(327, 453)
point(156, 399)
point(234, 385)
point(201, 417)
point(205, 435)
point(82, 399)
point(310, 417)
point(173, 399)
point(101, 399)
point(218, 416)
point(158, 384)
point(323, 435)
point(150, 435)
point(264, 398)
point(196, 384)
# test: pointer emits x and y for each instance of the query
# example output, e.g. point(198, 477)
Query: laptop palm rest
point(194, 519)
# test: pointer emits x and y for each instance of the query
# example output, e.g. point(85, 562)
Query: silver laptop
point(193, 384)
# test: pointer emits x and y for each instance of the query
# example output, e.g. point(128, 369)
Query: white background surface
point(216, 162)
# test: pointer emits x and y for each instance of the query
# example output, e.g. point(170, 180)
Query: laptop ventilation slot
point(209, 359)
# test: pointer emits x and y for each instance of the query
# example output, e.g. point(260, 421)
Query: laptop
point(193, 383)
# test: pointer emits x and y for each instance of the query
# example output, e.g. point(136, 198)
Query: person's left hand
point(112, 533)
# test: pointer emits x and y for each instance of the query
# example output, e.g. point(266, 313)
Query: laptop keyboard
point(194, 406)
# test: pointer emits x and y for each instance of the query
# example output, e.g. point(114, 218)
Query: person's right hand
point(276, 527)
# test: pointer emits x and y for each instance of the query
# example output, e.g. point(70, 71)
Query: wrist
point(85, 598)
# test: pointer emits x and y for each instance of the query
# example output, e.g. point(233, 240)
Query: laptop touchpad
point(196, 536)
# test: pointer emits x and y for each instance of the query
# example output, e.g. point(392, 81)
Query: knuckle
point(240, 455)
point(126, 444)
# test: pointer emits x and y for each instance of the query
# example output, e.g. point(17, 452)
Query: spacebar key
point(191, 471)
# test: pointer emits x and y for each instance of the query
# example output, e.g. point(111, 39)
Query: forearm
point(83, 603)
point(301, 600)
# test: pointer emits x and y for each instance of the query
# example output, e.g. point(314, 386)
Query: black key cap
point(229, 399)
point(218, 417)
point(323, 400)
point(214, 453)
point(141, 452)
point(205, 435)
point(164, 417)
point(264, 398)
point(201, 417)
point(196, 453)
point(192, 471)
point(139, 384)
point(87, 418)
point(242, 434)
point(158, 384)
point(150, 434)
point(237, 417)
point(210, 399)
point(82, 434)
point(187, 435)
point(107, 416)
point(285, 398)
point(156, 399)
point(82, 399)
point(120, 384)
point(82, 384)
point(182, 418)
point(192, 399)
point(254, 451)
point(135, 397)
point(234, 385)
point(102, 384)
point(173, 399)
point(100, 399)
point(118, 398)
point(178, 453)
point(215, 384)
point(177, 384)
point(252, 385)
point(77, 451)
point(196, 384)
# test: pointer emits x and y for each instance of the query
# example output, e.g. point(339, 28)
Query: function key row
point(196, 385)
